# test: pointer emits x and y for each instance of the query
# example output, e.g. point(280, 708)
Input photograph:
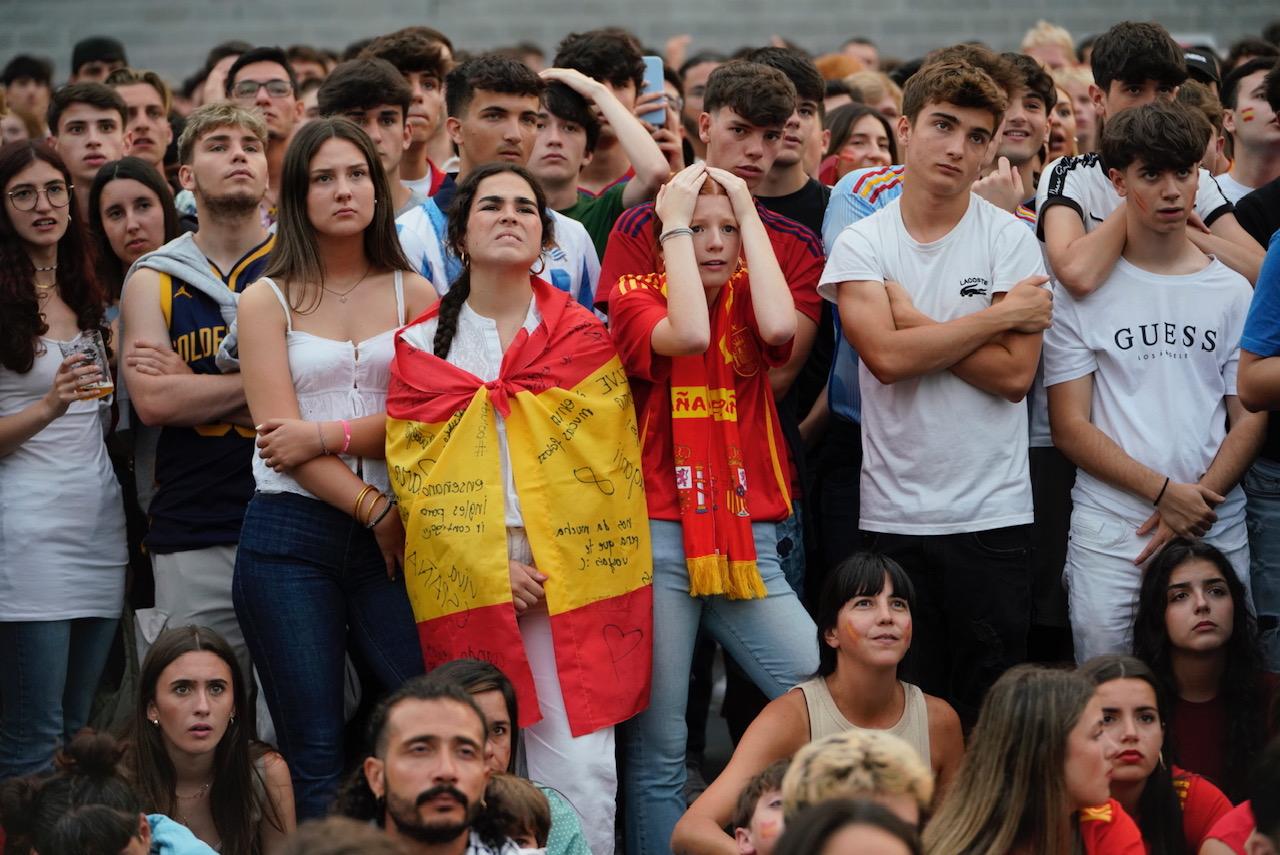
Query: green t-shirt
point(598, 214)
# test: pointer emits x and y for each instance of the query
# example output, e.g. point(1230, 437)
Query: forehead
point(969, 117)
point(700, 72)
point(36, 172)
point(1195, 570)
point(375, 110)
point(119, 189)
point(263, 70)
point(1250, 82)
point(336, 150)
point(440, 718)
point(487, 99)
point(493, 705)
point(139, 94)
point(80, 111)
point(726, 115)
point(708, 205)
point(867, 124)
point(196, 665)
point(1126, 692)
point(506, 184)
point(235, 132)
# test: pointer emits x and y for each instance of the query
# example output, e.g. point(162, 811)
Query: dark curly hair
point(1241, 688)
point(459, 214)
point(20, 322)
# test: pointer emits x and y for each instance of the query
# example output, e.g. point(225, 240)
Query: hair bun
point(92, 754)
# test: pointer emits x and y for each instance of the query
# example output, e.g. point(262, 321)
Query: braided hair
point(456, 242)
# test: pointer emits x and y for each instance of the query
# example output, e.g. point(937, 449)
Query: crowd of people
point(389, 439)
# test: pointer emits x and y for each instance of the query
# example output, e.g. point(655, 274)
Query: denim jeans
point(309, 580)
point(1262, 510)
point(49, 671)
point(773, 639)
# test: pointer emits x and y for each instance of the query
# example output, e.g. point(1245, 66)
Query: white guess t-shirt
point(939, 456)
point(1163, 352)
point(1082, 184)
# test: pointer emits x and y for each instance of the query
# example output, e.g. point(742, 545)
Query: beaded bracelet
point(320, 433)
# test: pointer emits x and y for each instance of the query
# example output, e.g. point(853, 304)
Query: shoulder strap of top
point(284, 304)
point(400, 297)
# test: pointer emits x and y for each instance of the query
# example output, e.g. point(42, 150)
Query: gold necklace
point(342, 295)
point(198, 793)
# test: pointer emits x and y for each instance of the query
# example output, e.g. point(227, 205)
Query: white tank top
point(336, 380)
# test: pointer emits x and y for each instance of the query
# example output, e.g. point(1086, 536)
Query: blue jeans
point(308, 581)
point(773, 639)
point(49, 671)
point(1262, 512)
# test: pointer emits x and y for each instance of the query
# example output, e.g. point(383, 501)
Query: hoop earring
point(231, 722)
point(542, 266)
point(1161, 755)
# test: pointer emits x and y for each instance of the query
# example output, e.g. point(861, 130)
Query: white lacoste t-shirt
point(939, 456)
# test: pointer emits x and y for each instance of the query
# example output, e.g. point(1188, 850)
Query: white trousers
point(583, 769)
point(1103, 582)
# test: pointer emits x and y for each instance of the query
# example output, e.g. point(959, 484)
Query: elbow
point(151, 408)
point(1015, 388)
point(887, 371)
point(689, 343)
point(1078, 282)
point(779, 334)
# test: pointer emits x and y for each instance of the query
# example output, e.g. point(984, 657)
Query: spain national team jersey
point(204, 474)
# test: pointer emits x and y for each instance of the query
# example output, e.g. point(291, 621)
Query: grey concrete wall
point(172, 36)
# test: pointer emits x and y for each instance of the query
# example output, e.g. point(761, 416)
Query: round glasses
point(57, 194)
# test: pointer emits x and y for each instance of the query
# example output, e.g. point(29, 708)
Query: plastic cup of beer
point(90, 345)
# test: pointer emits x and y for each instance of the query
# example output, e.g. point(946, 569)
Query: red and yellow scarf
point(575, 457)
point(711, 480)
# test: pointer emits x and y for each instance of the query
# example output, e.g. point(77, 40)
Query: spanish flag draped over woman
point(571, 432)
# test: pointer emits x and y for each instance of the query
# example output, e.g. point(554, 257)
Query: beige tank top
point(825, 718)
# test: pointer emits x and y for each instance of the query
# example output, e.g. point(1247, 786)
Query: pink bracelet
point(346, 437)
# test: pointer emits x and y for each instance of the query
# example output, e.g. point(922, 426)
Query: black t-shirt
point(1259, 211)
point(806, 206)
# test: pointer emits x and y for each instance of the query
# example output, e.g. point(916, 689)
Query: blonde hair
point(1011, 790)
point(875, 86)
point(1044, 34)
point(211, 117)
point(1072, 75)
point(855, 764)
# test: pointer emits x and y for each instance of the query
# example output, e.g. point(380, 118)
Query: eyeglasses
point(249, 88)
point(57, 194)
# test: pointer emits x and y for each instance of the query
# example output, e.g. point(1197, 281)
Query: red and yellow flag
point(575, 458)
